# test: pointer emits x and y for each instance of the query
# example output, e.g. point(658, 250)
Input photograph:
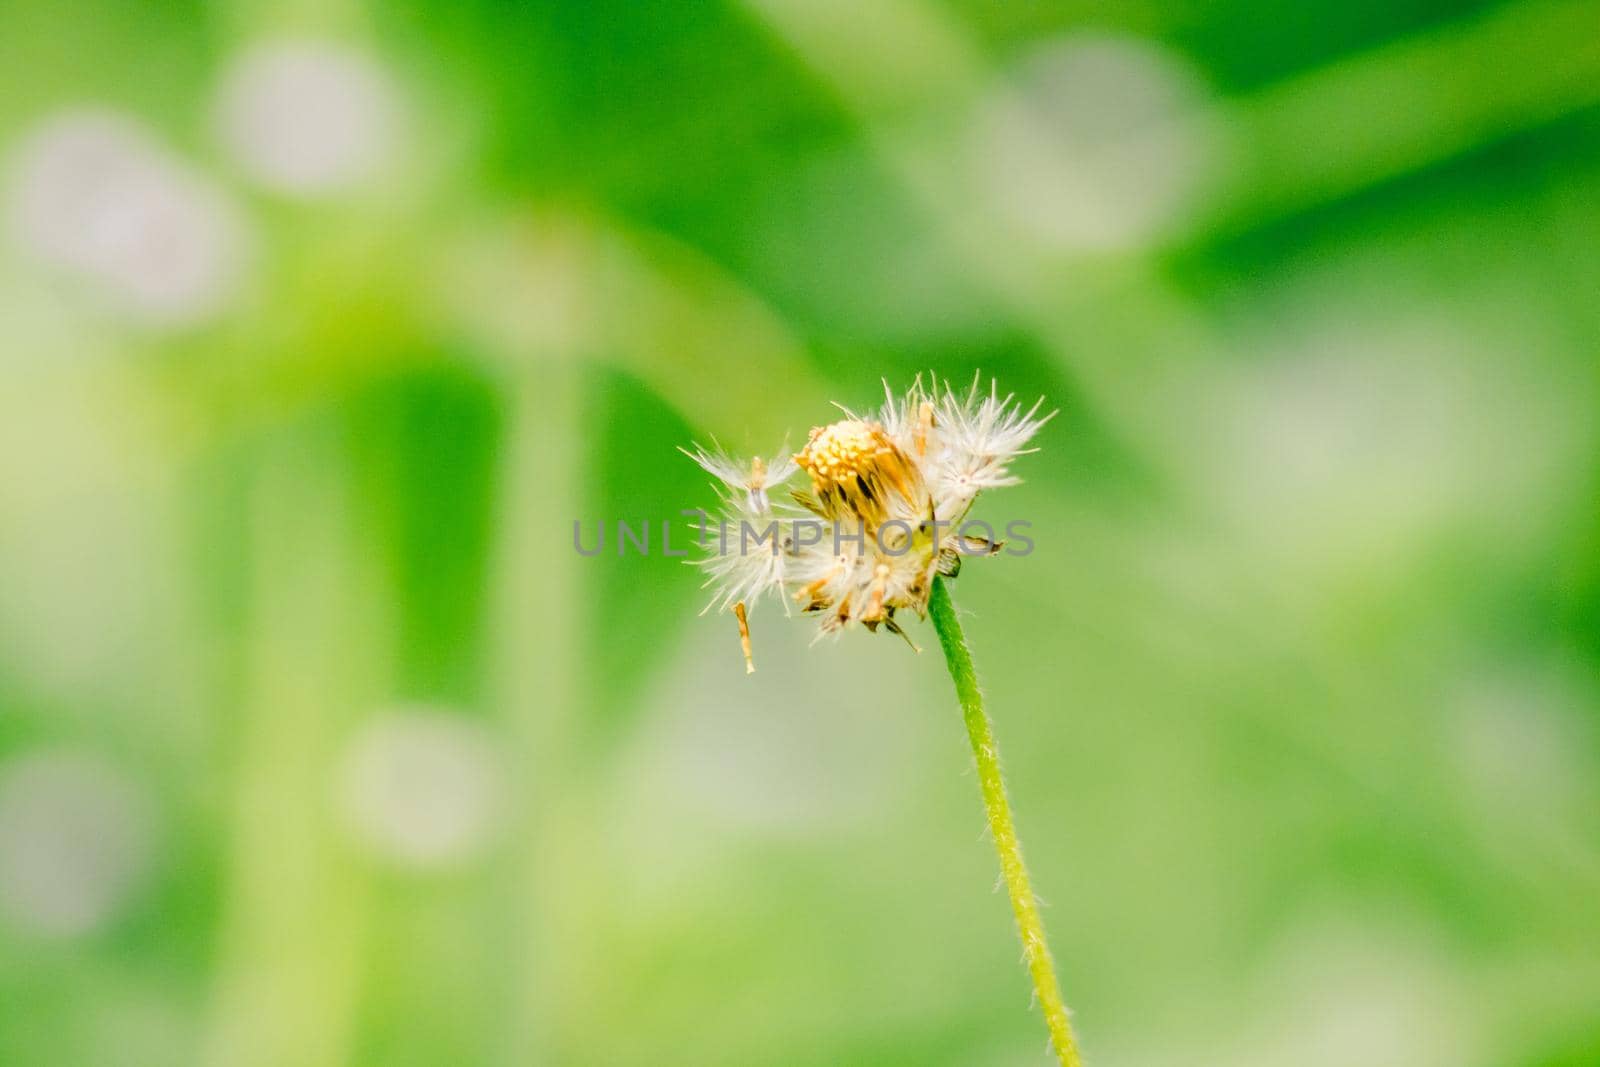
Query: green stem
point(1029, 923)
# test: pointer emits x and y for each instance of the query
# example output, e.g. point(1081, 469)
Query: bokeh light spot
point(94, 195)
point(1097, 143)
point(308, 117)
point(423, 788)
point(76, 842)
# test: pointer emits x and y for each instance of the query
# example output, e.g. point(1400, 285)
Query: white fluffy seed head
point(882, 514)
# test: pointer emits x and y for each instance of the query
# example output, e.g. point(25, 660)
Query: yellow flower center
point(855, 467)
point(843, 451)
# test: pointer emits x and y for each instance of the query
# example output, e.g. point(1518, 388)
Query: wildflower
point(882, 517)
point(892, 489)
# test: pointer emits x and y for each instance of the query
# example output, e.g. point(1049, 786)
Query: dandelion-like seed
point(880, 529)
point(883, 516)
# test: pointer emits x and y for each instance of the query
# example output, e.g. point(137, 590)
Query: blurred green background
point(320, 324)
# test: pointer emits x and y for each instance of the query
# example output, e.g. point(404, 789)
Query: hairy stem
point(1029, 922)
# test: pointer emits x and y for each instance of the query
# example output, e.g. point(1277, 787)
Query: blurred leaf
point(639, 477)
point(425, 447)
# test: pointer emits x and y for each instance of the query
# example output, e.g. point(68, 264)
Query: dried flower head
point(882, 516)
